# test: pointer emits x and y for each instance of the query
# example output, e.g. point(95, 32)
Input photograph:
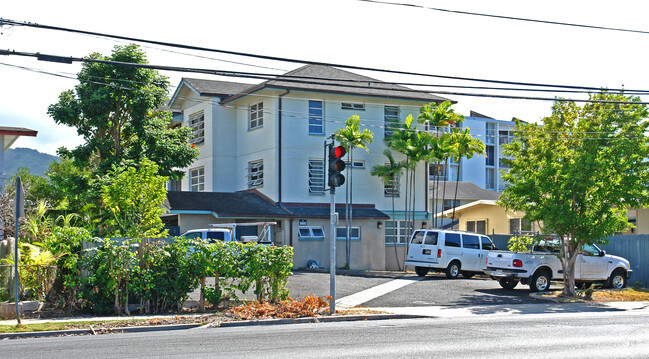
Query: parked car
point(541, 265)
point(451, 252)
point(226, 232)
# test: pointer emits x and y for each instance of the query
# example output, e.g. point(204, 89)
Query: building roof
point(216, 88)
point(225, 204)
point(12, 133)
point(465, 191)
point(252, 204)
point(327, 79)
point(448, 213)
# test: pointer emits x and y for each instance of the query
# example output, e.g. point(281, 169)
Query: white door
point(471, 253)
point(590, 265)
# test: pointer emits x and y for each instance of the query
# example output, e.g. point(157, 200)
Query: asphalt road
point(432, 290)
point(579, 335)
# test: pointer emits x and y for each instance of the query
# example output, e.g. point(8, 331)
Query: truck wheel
point(617, 279)
point(540, 281)
point(508, 283)
point(453, 270)
point(421, 271)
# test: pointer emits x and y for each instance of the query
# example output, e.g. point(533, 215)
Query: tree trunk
point(441, 220)
point(457, 182)
point(396, 254)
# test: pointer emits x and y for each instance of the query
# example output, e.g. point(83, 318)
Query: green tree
point(133, 198)
point(351, 137)
point(579, 171)
point(389, 173)
point(115, 108)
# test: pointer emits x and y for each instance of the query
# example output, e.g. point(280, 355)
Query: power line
point(285, 59)
point(596, 27)
point(252, 75)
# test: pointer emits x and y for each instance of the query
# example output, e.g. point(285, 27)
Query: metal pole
point(17, 215)
point(332, 259)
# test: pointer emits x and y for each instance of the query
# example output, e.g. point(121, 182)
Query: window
point(392, 187)
point(197, 124)
point(477, 226)
point(256, 116)
point(487, 243)
point(219, 236)
point(491, 155)
point(197, 179)
point(316, 119)
point(437, 171)
point(518, 225)
point(491, 132)
point(396, 231)
point(175, 185)
point(490, 178)
point(352, 106)
point(418, 238)
point(431, 238)
point(311, 233)
point(503, 162)
point(390, 119)
point(504, 137)
point(452, 240)
point(470, 241)
point(450, 204)
point(255, 173)
point(354, 233)
point(316, 177)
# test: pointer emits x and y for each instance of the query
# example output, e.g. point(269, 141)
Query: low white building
point(265, 142)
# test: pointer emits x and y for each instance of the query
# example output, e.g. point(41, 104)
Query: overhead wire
point(284, 59)
point(503, 17)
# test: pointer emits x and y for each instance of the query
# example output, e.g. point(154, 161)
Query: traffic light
point(336, 165)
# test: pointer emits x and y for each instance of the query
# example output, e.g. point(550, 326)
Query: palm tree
point(439, 116)
point(351, 137)
point(389, 173)
point(465, 146)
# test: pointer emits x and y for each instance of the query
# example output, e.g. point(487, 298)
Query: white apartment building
point(262, 158)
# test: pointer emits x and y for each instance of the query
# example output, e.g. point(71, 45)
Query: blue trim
point(351, 239)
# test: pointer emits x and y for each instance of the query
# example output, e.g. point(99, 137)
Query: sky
point(350, 32)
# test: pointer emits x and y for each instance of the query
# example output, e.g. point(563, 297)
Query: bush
point(520, 243)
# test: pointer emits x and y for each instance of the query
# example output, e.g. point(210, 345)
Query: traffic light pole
point(332, 258)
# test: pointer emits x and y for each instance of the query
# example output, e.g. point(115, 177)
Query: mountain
point(37, 162)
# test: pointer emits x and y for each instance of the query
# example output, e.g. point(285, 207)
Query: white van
point(452, 252)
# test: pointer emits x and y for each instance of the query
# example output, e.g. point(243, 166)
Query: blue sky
point(338, 31)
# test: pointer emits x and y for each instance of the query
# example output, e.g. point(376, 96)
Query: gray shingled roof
point(465, 191)
point(225, 204)
point(306, 211)
point(217, 88)
point(327, 79)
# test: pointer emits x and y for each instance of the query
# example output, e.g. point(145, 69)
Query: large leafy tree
point(116, 108)
point(580, 170)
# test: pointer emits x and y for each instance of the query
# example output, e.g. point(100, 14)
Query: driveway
point(432, 290)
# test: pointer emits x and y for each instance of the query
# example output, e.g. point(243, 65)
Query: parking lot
point(432, 290)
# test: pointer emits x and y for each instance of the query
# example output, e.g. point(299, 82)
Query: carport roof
point(225, 204)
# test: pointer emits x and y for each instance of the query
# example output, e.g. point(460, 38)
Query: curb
point(154, 328)
point(55, 333)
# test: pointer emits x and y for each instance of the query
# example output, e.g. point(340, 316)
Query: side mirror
point(602, 253)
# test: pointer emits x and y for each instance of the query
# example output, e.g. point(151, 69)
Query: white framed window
point(256, 116)
point(491, 132)
point(519, 225)
point(311, 233)
point(478, 226)
point(352, 106)
point(316, 177)
point(354, 233)
point(255, 173)
point(392, 187)
point(197, 179)
point(197, 123)
point(396, 232)
point(316, 118)
point(390, 119)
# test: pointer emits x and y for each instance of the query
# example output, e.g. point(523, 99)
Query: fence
point(635, 248)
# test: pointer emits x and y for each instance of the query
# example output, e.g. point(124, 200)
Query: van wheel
point(617, 280)
point(453, 270)
point(540, 281)
point(508, 283)
point(421, 271)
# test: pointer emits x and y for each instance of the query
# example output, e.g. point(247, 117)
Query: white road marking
point(366, 295)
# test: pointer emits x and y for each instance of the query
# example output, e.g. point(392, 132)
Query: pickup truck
point(540, 266)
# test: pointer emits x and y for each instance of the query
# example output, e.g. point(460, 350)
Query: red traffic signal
point(336, 165)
